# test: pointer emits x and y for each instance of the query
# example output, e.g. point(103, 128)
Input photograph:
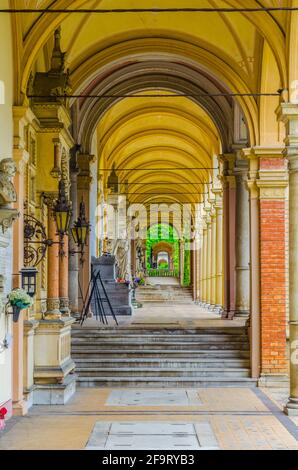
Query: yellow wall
point(6, 135)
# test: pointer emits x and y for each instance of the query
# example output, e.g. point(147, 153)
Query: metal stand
point(95, 296)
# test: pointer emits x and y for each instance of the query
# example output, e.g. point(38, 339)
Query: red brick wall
point(273, 286)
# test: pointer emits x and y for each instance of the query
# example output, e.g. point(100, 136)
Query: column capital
point(84, 176)
point(267, 175)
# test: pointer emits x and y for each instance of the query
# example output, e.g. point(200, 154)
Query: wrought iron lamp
point(29, 275)
point(62, 210)
point(80, 231)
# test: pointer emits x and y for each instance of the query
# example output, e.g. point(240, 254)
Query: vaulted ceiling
point(194, 54)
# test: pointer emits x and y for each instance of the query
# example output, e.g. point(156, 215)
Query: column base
point(64, 307)
point(242, 314)
point(291, 408)
point(274, 381)
point(227, 315)
point(55, 394)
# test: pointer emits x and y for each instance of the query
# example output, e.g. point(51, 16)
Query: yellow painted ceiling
point(137, 52)
point(166, 133)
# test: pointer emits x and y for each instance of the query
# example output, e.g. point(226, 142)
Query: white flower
point(20, 295)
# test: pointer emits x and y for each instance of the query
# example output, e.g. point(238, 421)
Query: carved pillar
point(53, 301)
point(242, 241)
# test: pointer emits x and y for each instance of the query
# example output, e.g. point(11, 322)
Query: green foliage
point(162, 233)
point(186, 274)
point(167, 233)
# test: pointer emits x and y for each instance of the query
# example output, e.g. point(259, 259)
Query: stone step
point(157, 353)
point(148, 329)
point(97, 336)
point(161, 372)
point(165, 363)
point(169, 382)
point(177, 346)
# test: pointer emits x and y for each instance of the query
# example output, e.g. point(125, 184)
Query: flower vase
point(2, 424)
point(16, 313)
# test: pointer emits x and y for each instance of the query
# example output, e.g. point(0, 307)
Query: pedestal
point(53, 368)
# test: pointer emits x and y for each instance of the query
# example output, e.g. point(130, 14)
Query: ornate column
point(53, 300)
point(208, 257)
point(73, 261)
point(242, 240)
point(204, 262)
point(288, 113)
point(201, 264)
point(219, 250)
point(83, 192)
point(213, 258)
point(63, 279)
point(229, 209)
point(53, 366)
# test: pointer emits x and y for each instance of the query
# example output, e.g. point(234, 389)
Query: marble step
point(149, 328)
point(165, 363)
point(159, 353)
point(169, 382)
point(177, 346)
point(120, 338)
point(161, 372)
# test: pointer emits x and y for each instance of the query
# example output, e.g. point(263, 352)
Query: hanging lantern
point(81, 228)
point(62, 210)
point(29, 276)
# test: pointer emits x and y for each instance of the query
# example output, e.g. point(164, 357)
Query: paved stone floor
point(163, 314)
point(224, 418)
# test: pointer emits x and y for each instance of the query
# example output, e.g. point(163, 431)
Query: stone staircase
point(164, 293)
point(161, 357)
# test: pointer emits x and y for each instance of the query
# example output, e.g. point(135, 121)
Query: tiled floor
point(227, 418)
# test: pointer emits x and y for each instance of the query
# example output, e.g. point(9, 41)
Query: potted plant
point(19, 300)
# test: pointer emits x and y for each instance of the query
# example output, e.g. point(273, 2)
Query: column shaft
point(292, 406)
point(213, 259)
point(63, 279)
point(219, 257)
point(53, 302)
point(73, 262)
point(209, 260)
point(204, 263)
point(242, 243)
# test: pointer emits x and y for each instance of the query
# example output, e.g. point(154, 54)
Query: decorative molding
point(8, 194)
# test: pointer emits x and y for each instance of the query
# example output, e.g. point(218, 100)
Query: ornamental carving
point(7, 172)
point(8, 193)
